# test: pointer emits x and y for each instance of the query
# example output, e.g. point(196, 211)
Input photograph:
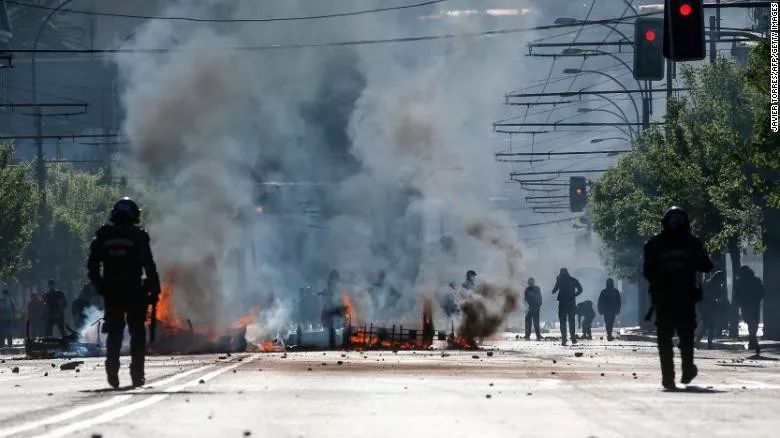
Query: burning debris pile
point(176, 335)
point(70, 345)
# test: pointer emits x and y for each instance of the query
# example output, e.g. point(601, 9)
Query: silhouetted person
point(54, 305)
point(749, 292)
point(471, 280)
point(533, 302)
point(672, 261)
point(712, 295)
point(567, 288)
point(609, 306)
point(7, 318)
point(585, 316)
point(35, 317)
point(119, 257)
point(332, 305)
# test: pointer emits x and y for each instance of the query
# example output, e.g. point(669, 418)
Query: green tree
point(692, 161)
point(77, 203)
point(18, 198)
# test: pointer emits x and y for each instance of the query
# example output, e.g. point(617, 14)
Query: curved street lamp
point(574, 71)
point(618, 115)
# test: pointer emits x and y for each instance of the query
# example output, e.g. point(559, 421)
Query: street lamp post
point(575, 71)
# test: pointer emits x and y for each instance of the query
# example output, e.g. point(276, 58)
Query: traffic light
point(578, 193)
point(648, 49)
point(684, 30)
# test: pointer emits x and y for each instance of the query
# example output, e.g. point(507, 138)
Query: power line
point(558, 172)
point(549, 154)
point(312, 45)
point(56, 137)
point(559, 221)
point(230, 20)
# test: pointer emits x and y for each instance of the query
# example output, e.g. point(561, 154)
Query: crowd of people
point(46, 313)
point(567, 289)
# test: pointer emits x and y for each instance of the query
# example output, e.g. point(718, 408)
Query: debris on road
point(578, 354)
point(15, 370)
point(70, 365)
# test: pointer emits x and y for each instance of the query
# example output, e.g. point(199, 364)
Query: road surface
point(528, 389)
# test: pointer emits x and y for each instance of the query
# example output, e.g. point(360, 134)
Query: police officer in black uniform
point(672, 261)
point(121, 249)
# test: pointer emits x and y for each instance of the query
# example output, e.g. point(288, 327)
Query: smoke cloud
point(262, 171)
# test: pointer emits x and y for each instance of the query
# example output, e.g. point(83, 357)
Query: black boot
point(112, 375)
point(689, 373)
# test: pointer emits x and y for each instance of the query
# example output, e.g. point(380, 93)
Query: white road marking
point(171, 379)
point(64, 416)
point(67, 415)
point(124, 410)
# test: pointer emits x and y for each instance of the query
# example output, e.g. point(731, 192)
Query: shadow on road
point(693, 389)
point(759, 357)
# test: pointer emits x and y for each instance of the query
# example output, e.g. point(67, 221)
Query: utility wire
point(230, 20)
point(558, 221)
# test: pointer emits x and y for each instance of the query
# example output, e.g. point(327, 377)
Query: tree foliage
point(77, 203)
point(18, 198)
point(695, 161)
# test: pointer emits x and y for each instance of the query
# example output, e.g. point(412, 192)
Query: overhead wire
point(229, 20)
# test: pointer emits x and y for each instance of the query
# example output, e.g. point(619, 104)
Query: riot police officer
point(121, 248)
point(672, 261)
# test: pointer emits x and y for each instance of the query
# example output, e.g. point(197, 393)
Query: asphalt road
point(526, 389)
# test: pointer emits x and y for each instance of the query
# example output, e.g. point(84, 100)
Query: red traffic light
point(650, 35)
point(686, 9)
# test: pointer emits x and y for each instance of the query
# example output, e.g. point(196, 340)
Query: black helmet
point(676, 220)
point(471, 274)
point(126, 210)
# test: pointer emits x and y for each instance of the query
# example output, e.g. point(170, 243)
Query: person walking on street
point(712, 292)
point(119, 257)
point(54, 305)
point(567, 288)
point(749, 293)
point(533, 302)
point(609, 304)
point(7, 319)
point(673, 260)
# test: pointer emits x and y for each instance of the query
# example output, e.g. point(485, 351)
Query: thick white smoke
point(396, 138)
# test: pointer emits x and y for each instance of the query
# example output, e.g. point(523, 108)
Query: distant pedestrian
point(585, 316)
point(609, 305)
point(567, 288)
point(533, 302)
point(471, 280)
point(748, 295)
point(35, 317)
point(55, 303)
point(7, 318)
point(712, 300)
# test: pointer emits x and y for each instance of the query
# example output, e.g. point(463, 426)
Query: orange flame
point(245, 320)
point(166, 312)
point(349, 309)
